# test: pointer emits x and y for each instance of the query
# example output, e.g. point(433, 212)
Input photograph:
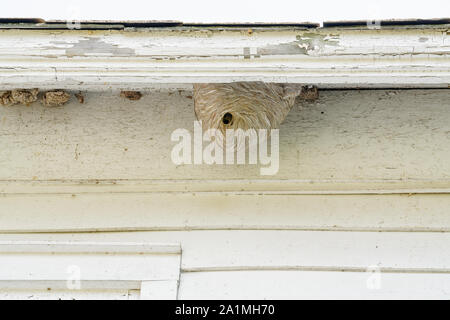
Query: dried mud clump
point(131, 95)
point(80, 97)
point(19, 96)
point(55, 98)
point(5, 98)
point(309, 93)
point(24, 96)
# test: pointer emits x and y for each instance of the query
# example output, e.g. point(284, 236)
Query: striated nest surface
point(55, 98)
point(309, 93)
point(243, 105)
point(19, 96)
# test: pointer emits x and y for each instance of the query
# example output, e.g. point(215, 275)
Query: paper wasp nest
point(243, 105)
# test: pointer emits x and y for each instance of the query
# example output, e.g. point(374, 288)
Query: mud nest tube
point(19, 96)
point(55, 98)
point(131, 95)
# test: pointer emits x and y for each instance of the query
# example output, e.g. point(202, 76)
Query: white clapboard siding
point(271, 265)
point(159, 290)
point(313, 285)
point(287, 249)
point(51, 261)
point(328, 57)
point(220, 211)
point(88, 269)
point(351, 141)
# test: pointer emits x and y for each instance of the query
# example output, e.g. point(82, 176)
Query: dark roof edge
point(255, 24)
point(21, 20)
point(393, 22)
point(19, 23)
point(130, 23)
point(37, 23)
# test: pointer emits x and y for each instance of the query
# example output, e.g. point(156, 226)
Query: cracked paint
point(306, 44)
point(95, 46)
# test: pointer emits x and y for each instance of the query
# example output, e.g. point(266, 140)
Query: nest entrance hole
point(227, 118)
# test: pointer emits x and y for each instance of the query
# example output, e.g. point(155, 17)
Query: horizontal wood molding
point(231, 250)
point(76, 268)
point(42, 293)
point(233, 186)
point(96, 212)
point(93, 260)
point(138, 59)
point(88, 247)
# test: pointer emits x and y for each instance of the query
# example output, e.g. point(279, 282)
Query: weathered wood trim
point(139, 59)
point(76, 266)
point(87, 247)
point(61, 285)
point(231, 250)
point(42, 293)
point(232, 186)
point(37, 213)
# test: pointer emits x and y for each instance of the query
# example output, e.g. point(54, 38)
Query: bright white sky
point(226, 10)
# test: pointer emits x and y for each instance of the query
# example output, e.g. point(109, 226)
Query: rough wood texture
point(134, 60)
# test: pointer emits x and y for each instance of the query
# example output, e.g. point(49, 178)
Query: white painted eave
point(395, 57)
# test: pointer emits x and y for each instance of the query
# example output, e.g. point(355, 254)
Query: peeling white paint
point(137, 60)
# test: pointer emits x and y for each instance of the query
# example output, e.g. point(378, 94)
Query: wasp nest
point(244, 105)
point(131, 95)
point(309, 93)
point(19, 96)
point(55, 98)
point(80, 97)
